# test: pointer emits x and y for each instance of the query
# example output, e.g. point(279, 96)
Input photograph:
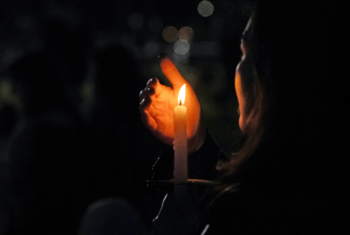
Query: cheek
point(238, 86)
point(239, 90)
point(241, 100)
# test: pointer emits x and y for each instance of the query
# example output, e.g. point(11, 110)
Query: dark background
point(138, 25)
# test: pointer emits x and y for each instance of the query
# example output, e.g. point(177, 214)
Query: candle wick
point(180, 103)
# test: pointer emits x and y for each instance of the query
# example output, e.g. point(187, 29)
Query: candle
point(180, 138)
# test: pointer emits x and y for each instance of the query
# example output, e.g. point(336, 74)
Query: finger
point(155, 87)
point(148, 91)
point(147, 119)
point(152, 82)
point(151, 86)
point(145, 103)
point(171, 72)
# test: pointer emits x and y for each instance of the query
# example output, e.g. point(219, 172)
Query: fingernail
point(142, 101)
point(149, 80)
point(151, 90)
point(162, 56)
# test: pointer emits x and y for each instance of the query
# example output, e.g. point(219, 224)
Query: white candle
point(180, 138)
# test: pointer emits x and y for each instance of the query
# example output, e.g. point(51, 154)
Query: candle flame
point(182, 94)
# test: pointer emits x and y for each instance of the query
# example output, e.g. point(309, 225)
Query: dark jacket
point(246, 207)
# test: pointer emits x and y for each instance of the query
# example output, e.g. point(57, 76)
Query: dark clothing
point(50, 172)
point(235, 212)
point(122, 167)
point(246, 207)
point(201, 165)
point(111, 216)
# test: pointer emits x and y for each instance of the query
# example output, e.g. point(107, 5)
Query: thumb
point(171, 72)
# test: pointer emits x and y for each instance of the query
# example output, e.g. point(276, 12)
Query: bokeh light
point(186, 33)
point(135, 21)
point(181, 47)
point(151, 49)
point(205, 8)
point(170, 34)
point(155, 24)
point(128, 40)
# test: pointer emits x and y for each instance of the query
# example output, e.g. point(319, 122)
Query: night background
point(208, 60)
point(201, 37)
point(70, 76)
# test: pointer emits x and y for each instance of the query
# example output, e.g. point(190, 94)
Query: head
point(283, 90)
point(40, 83)
point(247, 83)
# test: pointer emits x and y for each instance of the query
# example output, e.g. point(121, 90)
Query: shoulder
point(232, 212)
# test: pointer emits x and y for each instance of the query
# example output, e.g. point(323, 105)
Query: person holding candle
point(157, 110)
point(289, 176)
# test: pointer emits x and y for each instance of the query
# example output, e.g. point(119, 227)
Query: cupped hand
point(158, 103)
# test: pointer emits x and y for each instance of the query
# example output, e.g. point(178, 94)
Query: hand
point(158, 103)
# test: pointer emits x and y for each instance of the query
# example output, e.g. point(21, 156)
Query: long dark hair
point(288, 141)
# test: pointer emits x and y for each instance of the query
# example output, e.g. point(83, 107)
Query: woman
point(285, 178)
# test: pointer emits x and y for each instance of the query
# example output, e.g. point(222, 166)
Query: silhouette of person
point(289, 176)
point(114, 121)
point(111, 216)
point(49, 173)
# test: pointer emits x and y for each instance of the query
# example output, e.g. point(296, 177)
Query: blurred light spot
point(151, 49)
point(186, 33)
point(205, 8)
point(135, 21)
point(155, 24)
point(6, 93)
point(25, 22)
point(87, 89)
point(181, 47)
point(170, 34)
point(128, 40)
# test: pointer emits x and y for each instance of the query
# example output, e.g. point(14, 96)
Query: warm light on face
point(243, 74)
point(182, 94)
